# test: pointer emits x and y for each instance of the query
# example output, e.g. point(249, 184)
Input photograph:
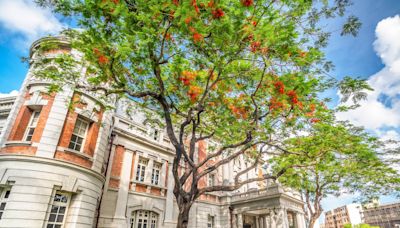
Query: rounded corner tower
point(52, 157)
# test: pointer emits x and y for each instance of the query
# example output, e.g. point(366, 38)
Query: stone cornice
point(48, 161)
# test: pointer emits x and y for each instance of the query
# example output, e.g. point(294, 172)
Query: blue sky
point(374, 55)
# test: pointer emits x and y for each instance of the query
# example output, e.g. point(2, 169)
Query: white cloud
point(26, 19)
point(12, 93)
point(382, 108)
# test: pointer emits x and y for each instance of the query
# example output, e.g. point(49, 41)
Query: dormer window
point(30, 130)
point(79, 135)
point(155, 134)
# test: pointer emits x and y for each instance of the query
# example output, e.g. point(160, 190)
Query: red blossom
point(187, 77)
point(218, 13)
point(254, 23)
point(176, 2)
point(293, 96)
point(197, 37)
point(274, 104)
point(196, 8)
point(103, 59)
point(254, 46)
point(211, 4)
point(280, 87)
point(247, 3)
point(188, 20)
point(115, 1)
point(193, 93)
point(315, 120)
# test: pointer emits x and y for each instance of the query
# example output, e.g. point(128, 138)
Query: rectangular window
point(58, 210)
point(210, 222)
point(32, 125)
point(141, 169)
point(78, 135)
point(211, 179)
point(155, 175)
point(4, 195)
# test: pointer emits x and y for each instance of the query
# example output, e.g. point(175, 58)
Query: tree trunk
point(183, 217)
point(313, 219)
point(312, 223)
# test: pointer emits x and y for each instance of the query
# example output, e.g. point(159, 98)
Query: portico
point(272, 207)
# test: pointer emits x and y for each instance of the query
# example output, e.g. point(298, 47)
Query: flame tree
point(242, 73)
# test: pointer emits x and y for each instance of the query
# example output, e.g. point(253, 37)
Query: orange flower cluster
point(238, 112)
point(293, 96)
point(247, 3)
point(255, 46)
point(280, 87)
point(218, 13)
point(196, 7)
point(187, 77)
point(102, 59)
point(274, 104)
point(193, 93)
point(197, 37)
point(176, 2)
point(315, 120)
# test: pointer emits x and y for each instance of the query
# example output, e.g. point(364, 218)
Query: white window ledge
point(18, 143)
point(79, 153)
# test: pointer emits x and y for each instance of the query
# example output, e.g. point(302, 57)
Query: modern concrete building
point(384, 216)
point(82, 166)
point(338, 217)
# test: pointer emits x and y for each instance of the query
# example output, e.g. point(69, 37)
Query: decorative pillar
point(169, 203)
point(257, 222)
point(285, 218)
point(124, 185)
point(135, 170)
point(240, 220)
point(149, 170)
point(300, 222)
point(234, 221)
point(266, 221)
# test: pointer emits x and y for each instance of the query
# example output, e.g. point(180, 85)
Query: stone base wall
point(33, 182)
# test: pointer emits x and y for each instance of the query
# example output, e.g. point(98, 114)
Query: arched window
point(144, 219)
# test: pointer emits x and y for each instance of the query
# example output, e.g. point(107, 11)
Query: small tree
point(336, 158)
point(242, 73)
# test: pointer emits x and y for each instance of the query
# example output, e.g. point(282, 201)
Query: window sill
point(79, 153)
point(147, 184)
point(18, 143)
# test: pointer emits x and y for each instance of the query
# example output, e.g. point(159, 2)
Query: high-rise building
point(338, 217)
point(67, 162)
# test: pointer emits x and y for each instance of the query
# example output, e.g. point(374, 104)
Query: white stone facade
point(119, 177)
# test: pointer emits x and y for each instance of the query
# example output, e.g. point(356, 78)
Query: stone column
point(124, 185)
point(285, 218)
point(169, 203)
point(300, 222)
point(240, 220)
point(257, 222)
point(135, 170)
point(266, 222)
point(234, 221)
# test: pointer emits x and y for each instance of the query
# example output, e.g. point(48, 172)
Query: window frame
point(210, 221)
point(32, 125)
point(59, 204)
point(4, 196)
point(211, 179)
point(157, 167)
point(150, 218)
point(84, 136)
point(141, 167)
